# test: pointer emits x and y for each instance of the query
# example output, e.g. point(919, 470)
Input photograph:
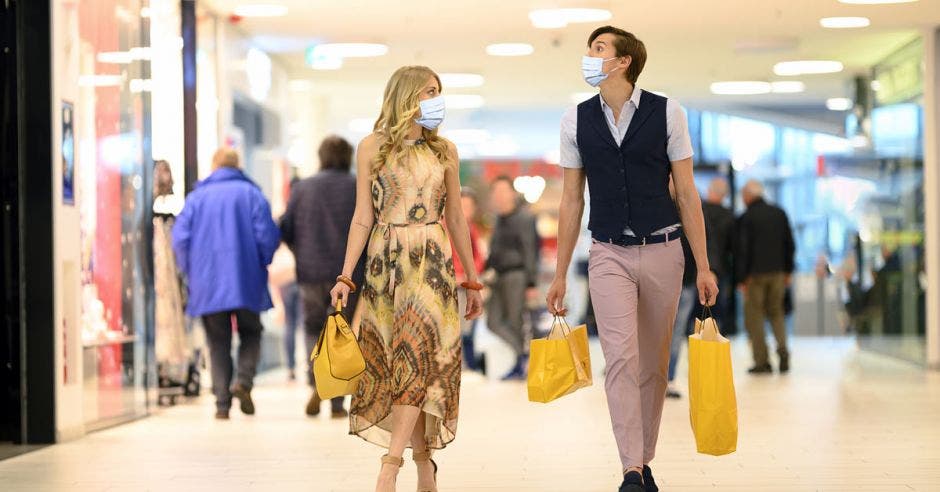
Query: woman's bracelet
point(348, 281)
point(471, 285)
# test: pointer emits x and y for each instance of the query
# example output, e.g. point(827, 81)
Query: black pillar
point(188, 30)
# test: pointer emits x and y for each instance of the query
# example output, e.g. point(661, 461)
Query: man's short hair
point(626, 44)
point(225, 157)
point(335, 153)
point(754, 188)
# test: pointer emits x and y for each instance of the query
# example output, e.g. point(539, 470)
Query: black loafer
point(632, 482)
point(762, 369)
point(648, 480)
point(247, 406)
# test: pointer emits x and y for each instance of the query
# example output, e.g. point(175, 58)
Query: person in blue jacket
point(224, 239)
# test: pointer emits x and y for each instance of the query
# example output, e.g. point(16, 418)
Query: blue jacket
point(224, 239)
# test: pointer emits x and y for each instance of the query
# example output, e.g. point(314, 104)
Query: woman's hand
point(340, 291)
point(474, 304)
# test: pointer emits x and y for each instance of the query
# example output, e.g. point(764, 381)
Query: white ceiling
point(690, 44)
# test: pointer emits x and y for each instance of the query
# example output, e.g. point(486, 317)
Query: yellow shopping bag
point(337, 360)
point(560, 363)
point(713, 408)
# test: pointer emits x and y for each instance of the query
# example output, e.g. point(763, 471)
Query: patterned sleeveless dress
point(409, 329)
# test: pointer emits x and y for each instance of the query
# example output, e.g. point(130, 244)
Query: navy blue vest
point(629, 184)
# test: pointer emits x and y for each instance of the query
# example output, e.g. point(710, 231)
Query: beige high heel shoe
point(393, 460)
point(424, 458)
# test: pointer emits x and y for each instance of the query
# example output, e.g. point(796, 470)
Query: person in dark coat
point(765, 264)
point(224, 240)
point(315, 228)
point(719, 231)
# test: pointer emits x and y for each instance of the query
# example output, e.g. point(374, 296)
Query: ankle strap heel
point(393, 460)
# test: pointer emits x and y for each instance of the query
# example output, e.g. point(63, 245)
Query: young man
point(626, 142)
point(224, 240)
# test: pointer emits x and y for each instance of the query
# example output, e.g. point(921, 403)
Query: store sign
point(900, 77)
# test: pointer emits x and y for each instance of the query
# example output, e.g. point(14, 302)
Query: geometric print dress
point(409, 326)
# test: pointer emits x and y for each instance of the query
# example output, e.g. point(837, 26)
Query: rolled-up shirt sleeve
point(569, 155)
point(678, 142)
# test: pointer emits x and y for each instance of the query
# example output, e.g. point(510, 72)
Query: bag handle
point(706, 309)
point(339, 305)
point(560, 321)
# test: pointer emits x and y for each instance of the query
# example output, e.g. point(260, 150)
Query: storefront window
point(107, 47)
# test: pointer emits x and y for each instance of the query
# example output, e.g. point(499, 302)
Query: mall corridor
point(843, 420)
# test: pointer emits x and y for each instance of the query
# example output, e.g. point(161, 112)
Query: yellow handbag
point(560, 363)
point(713, 408)
point(337, 359)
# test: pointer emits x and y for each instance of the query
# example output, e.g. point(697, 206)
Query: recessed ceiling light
point(510, 49)
point(839, 103)
point(740, 88)
point(874, 2)
point(350, 50)
point(260, 10)
point(787, 87)
point(580, 97)
point(461, 80)
point(557, 18)
point(803, 67)
point(844, 22)
point(463, 101)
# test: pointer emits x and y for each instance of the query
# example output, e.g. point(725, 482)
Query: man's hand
point(555, 300)
point(707, 285)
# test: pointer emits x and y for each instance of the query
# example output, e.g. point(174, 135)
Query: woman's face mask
point(592, 68)
point(432, 112)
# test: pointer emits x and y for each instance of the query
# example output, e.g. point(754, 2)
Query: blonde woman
point(407, 185)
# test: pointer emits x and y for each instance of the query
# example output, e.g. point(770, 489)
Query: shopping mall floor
point(843, 420)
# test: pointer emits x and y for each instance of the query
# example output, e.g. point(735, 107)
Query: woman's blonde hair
point(399, 110)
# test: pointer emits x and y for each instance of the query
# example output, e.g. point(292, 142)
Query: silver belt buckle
point(644, 240)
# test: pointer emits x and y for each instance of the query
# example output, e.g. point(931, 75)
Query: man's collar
point(635, 98)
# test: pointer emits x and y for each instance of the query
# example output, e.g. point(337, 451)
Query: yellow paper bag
point(337, 360)
point(559, 364)
point(713, 408)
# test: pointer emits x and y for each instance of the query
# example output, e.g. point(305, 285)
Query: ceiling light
point(876, 85)
point(510, 49)
point(844, 22)
point(260, 10)
point(580, 97)
point(463, 101)
point(804, 67)
point(839, 104)
point(874, 2)
point(740, 88)
point(556, 18)
point(787, 87)
point(461, 80)
point(350, 50)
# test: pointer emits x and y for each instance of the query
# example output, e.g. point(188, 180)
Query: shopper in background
point(408, 183)
point(224, 239)
point(514, 258)
point(627, 143)
point(765, 265)
point(290, 298)
point(315, 227)
point(680, 329)
point(719, 230)
point(468, 202)
point(170, 341)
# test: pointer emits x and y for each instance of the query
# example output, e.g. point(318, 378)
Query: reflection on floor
point(841, 421)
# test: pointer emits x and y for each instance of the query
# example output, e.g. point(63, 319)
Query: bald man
point(719, 230)
point(765, 265)
point(224, 240)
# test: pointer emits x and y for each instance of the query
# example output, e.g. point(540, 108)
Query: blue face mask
point(592, 68)
point(432, 112)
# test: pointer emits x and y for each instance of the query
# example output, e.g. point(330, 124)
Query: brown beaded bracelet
point(348, 281)
point(471, 285)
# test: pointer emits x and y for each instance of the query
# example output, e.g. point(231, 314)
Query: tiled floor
point(842, 421)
